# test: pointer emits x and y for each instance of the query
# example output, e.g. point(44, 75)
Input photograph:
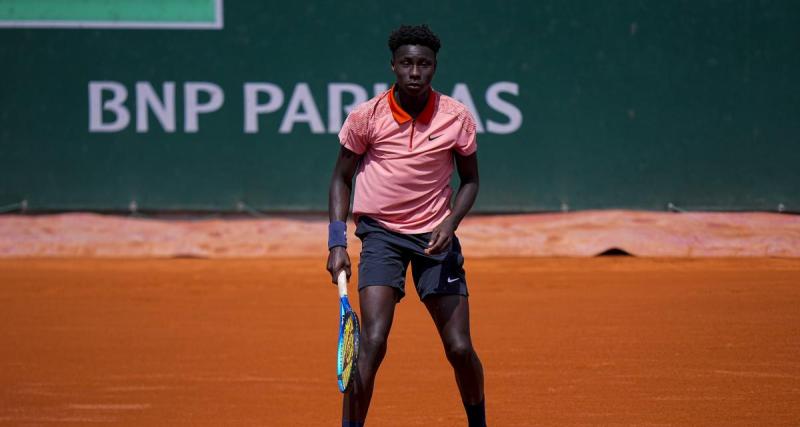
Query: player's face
point(414, 66)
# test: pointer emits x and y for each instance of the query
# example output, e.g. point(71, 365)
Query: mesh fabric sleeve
point(466, 143)
point(355, 131)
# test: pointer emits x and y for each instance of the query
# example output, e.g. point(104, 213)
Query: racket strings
point(349, 349)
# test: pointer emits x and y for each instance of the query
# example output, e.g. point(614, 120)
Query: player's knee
point(459, 351)
point(374, 342)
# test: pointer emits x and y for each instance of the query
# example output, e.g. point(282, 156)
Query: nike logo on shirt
point(431, 137)
point(449, 280)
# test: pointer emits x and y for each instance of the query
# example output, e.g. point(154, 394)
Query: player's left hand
point(441, 237)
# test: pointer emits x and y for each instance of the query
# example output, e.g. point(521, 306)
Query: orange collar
point(400, 116)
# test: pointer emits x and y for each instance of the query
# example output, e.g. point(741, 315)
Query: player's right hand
point(338, 260)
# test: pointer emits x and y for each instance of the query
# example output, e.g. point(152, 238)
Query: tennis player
point(402, 147)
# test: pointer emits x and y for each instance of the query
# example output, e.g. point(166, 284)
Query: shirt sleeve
point(355, 131)
point(467, 143)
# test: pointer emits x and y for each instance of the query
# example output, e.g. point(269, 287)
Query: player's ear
point(391, 63)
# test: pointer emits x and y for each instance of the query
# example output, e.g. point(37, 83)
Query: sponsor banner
point(114, 107)
point(116, 14)
point(628, 104)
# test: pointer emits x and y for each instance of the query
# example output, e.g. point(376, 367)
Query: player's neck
point(413, 105)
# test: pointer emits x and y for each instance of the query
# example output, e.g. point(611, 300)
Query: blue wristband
point(337, 234)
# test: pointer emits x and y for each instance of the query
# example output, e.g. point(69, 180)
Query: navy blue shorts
point(385, 256)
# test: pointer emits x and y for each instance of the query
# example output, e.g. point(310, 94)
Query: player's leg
point(377, 305)
point(381, 278)
point(441, 284)
point(450, 313)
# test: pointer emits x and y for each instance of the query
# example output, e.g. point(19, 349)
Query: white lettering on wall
point(110, 110)
point(335, 107)
point(462, 95)
point(508, 109)
point(251, 106)
point(379, 88)
point(164, 110)
point(115, 104)
point(302, 100)
point(193, 108)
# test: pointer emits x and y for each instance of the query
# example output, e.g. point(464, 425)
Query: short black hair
point(414, 34)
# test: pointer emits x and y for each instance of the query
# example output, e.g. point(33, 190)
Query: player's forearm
point(342, 185)
point(338, 207)
point(468, 190)
point(465, 198)
point(339, 199)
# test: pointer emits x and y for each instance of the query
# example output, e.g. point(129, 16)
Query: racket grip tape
point(341, 280)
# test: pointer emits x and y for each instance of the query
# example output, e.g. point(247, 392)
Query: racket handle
point(342, 282)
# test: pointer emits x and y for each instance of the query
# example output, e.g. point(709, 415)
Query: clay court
point(565, 342)
point(175, 173)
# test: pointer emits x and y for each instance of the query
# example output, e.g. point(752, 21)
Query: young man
point(402, 146)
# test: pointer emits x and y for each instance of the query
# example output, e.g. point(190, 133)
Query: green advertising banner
point(145, 14)
point(205, 105)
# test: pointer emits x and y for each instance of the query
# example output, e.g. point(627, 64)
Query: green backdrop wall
point(623, 104)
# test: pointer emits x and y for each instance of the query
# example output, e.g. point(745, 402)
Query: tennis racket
point(349, 331)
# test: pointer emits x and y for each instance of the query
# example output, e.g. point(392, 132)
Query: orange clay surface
point(564, 342)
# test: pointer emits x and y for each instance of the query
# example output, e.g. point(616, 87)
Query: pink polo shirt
point(403, 180)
